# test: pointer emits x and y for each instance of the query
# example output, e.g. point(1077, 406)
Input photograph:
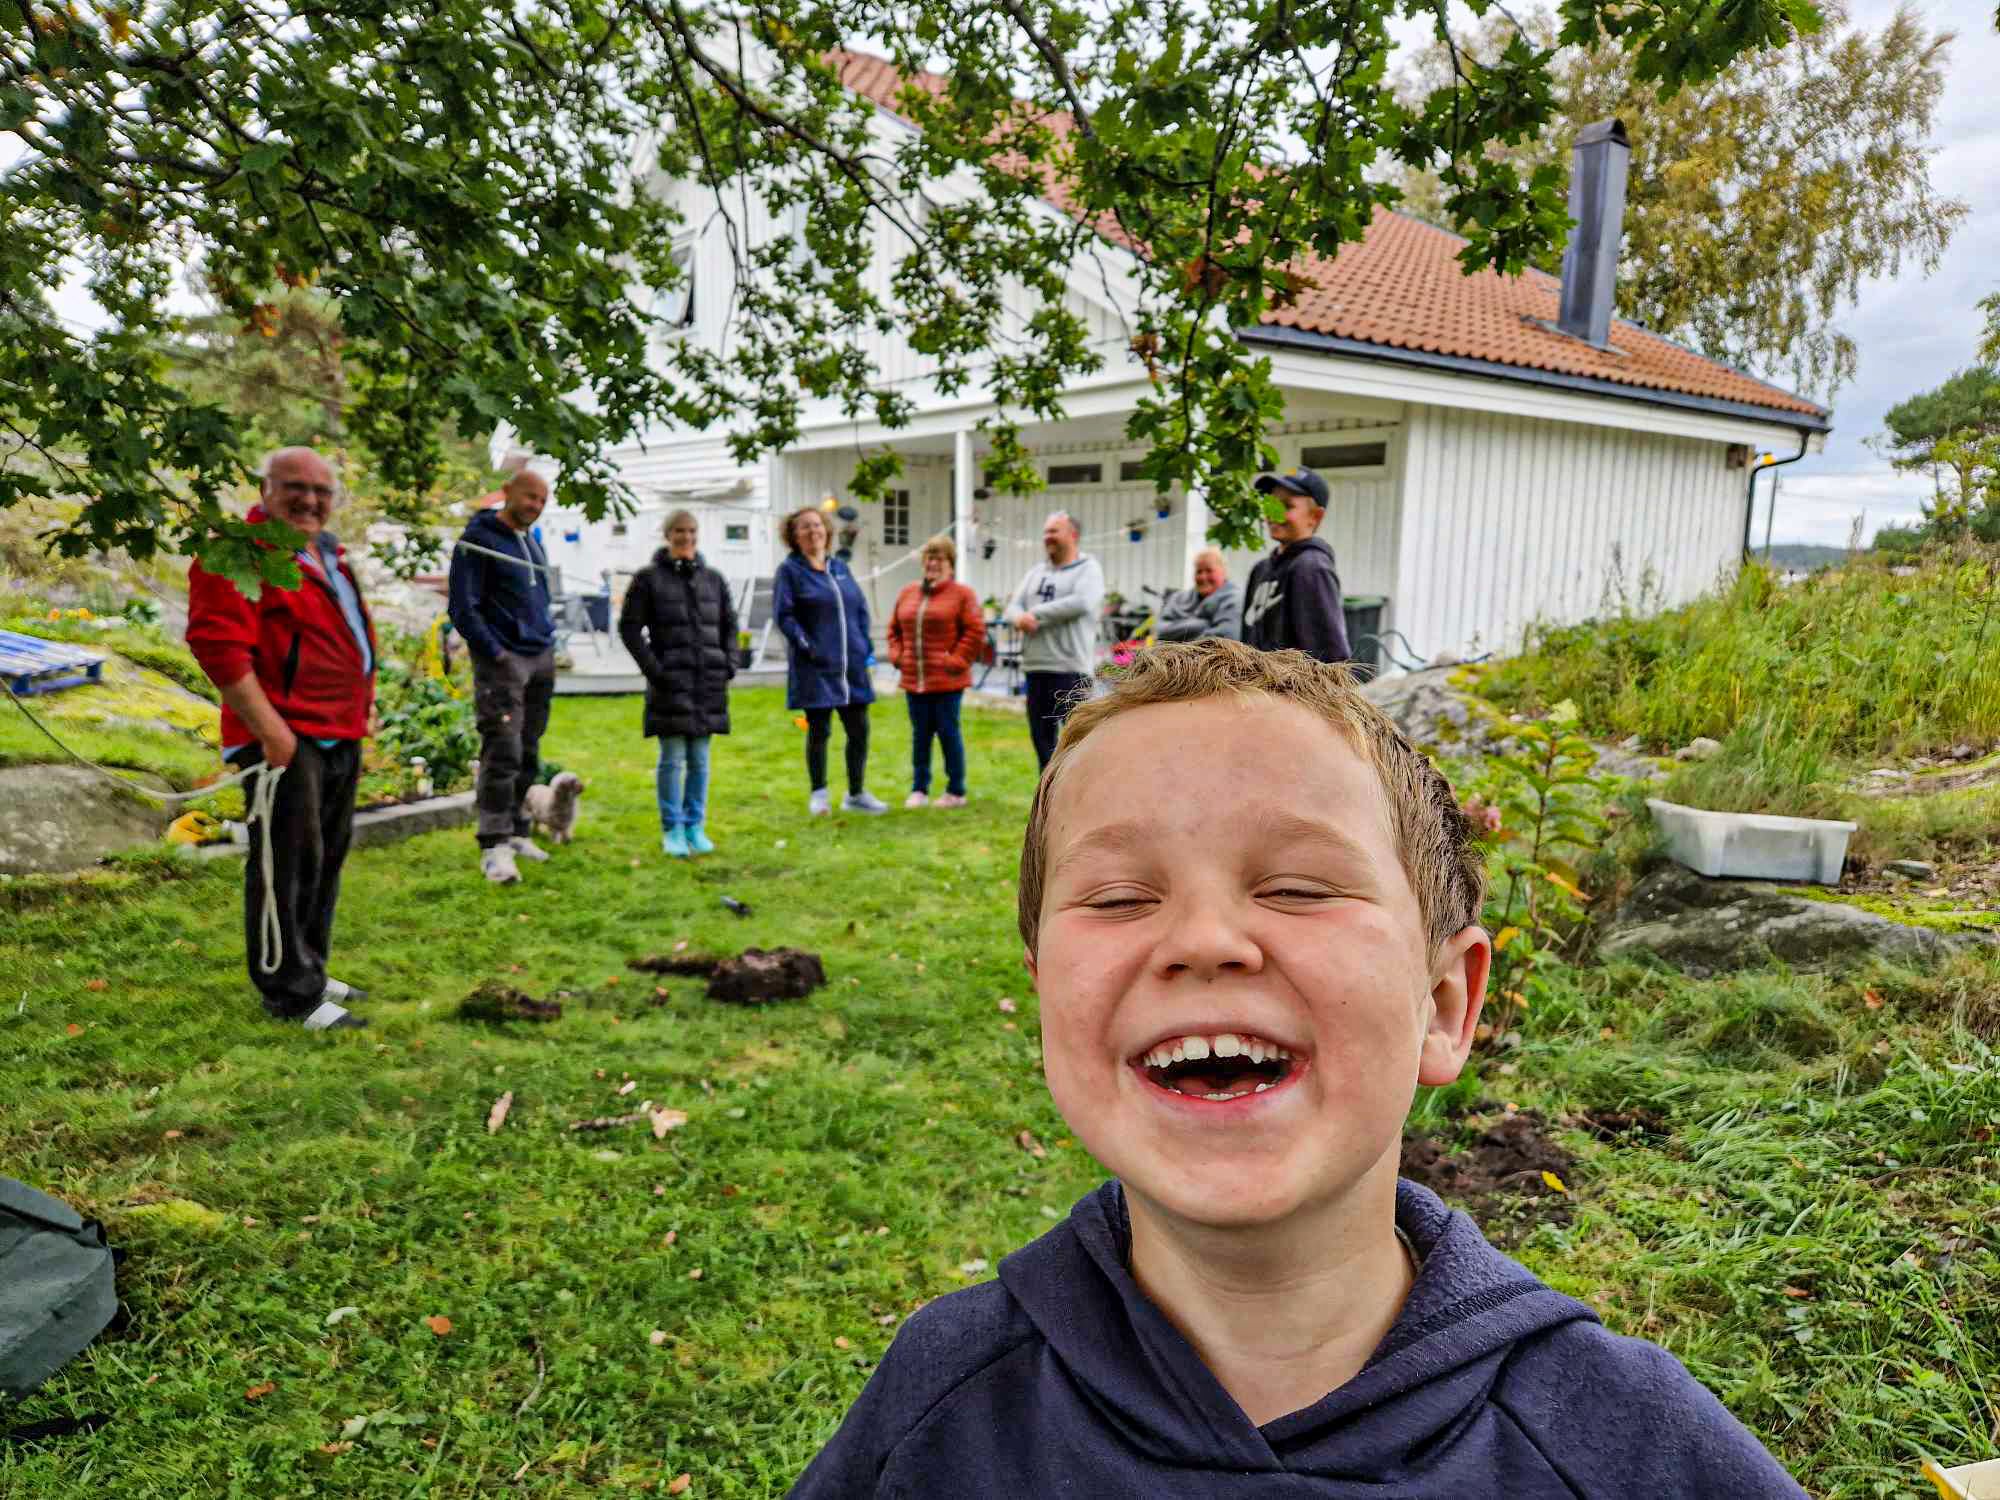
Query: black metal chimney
point(1597, 204)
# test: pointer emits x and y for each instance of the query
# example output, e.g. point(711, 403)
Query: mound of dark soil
point(754, 977)
point(493, 1002)
point(1498, 1178)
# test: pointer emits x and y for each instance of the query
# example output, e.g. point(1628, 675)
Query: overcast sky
point(1915, 330)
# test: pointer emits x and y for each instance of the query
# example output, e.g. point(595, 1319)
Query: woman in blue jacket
point(818, 605)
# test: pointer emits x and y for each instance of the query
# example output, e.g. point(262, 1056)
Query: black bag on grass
point(56, 1286)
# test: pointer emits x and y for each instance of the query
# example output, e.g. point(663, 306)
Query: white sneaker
point(863, 802)
point(916, 799)
point(526, 848)
point(497, 865)
point(821, 804)
point(338, 990)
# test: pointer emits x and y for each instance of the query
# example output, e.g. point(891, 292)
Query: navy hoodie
point(1062, 1378)
point(1293, 600)
point(501, 606)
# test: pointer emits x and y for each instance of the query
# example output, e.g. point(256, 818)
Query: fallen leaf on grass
point(627, 1086)
point(972, 1267)
point(438, 1324)
point(353, 1428)
point(1555, 1182)
point(667, 1119)
point(1007, 1005)
point(260, 1391)
point(671, 1236)
point(695, 1274)
point(843, 1342)
point(679, 1483)
point(681, 946)
point(497, 1116)
point(1797, 1291)
point(340, 1314)
point(98, 984)
point(1027, 1142)
point(1872, 999)
point(657, 1337)
point(72, 1029)
point(172, 1135)
point(334, 1450)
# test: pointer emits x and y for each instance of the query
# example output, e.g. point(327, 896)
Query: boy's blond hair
point(1433, 838)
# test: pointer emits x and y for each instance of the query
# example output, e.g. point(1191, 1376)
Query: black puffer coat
point(680, 626)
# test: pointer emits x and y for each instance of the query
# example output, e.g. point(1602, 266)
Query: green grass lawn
point(1811, 1229)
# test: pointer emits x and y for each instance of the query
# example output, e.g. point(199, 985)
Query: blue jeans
point(683, 781)
point(936, 714)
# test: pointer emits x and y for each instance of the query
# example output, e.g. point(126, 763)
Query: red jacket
point(935, 638)
point(295, 640)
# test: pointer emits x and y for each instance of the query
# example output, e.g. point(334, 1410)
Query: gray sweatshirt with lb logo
point(1065, 602)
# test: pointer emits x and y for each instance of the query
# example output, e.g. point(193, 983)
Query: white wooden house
point(1499, 449)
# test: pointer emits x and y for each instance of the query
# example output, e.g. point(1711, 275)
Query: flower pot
point(1137, 533)
point(745, 655)
point(1753, 846)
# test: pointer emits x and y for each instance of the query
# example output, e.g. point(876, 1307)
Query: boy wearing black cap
point(1294, 594)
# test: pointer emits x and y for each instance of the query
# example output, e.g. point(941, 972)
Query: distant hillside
point(1805, 557)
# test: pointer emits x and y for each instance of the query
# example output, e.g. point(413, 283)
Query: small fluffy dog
point(552, 806)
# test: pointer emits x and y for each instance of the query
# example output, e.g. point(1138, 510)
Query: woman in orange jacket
point(936, 633)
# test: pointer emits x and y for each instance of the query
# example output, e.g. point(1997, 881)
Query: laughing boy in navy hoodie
point(1251, 912)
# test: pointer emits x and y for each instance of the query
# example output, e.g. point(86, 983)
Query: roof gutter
point(1327, 343)
point(1750, 494)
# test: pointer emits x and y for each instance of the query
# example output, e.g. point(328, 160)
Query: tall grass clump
point(1847, 664)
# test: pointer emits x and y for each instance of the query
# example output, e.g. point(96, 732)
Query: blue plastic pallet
point(32, 665)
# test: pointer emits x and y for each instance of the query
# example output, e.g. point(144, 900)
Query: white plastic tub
point(1753, 846)
point(1971, 1482)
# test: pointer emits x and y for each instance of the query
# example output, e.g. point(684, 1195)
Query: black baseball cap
point(1299, 481)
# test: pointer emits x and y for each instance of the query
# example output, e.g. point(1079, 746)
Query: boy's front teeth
point(1221, 1044)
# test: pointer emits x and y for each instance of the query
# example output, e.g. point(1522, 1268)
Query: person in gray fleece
point(1056, 612)
point(1214, 606)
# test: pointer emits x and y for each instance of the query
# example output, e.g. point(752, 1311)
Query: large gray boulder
point(1432, 713)
point(1706, 927)
point(59, 818)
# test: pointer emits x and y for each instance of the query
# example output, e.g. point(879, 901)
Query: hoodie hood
point(1470, 1305)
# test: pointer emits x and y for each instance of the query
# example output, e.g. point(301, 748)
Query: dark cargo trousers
point(311, 825)
point(510, 700)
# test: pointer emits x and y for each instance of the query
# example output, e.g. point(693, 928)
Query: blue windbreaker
point(825, 620)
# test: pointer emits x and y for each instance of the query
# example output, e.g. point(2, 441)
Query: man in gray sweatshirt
point(1056, 613)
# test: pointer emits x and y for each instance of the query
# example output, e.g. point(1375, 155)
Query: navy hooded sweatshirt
point(501, 607)
point(1293, 602)
point(1062, 1379)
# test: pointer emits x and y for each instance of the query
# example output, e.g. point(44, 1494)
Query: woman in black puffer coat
point(680, 626)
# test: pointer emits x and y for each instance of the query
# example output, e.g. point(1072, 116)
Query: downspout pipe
point(1750, 499)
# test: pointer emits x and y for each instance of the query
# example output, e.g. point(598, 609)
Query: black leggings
point(819, 733)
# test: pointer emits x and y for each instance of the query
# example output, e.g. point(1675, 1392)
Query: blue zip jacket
point(824, 618)
point(1063, 1378)
point(498, 606)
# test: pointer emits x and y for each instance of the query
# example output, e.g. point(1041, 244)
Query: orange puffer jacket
point(935, 638)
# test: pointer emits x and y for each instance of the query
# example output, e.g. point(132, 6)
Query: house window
point(737, 533)
point(618, 528)
point(1345, 456)
point(896, 519)
point(1076, 474)
point(1133, 471)
point(673, 306)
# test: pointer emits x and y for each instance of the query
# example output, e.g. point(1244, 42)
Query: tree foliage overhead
point(1758, 199)
point(458, 178)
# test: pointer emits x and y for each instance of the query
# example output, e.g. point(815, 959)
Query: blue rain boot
point(698, 841)
point(674, 842)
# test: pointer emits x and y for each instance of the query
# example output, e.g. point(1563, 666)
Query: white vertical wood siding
point(1511, 520)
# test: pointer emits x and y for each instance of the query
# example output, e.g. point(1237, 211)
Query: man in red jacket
point(296, 669)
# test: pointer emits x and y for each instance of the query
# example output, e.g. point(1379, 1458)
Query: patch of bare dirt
point(754, 977)
point(1501, 1178)
point(493, 1002)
